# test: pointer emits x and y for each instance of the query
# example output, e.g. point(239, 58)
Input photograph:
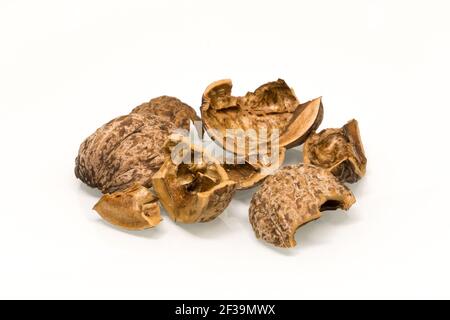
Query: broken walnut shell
point(193, 192)
point(293, 197)
point(123, 152)
point(135, 208)
point(338, 150)
point(171, 109)
point(272, 107)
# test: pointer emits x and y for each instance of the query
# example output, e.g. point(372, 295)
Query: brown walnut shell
point(171, 109)
point(293, 197)
point(135, 208)
point(125, 151)
point(253, 173)
point(197, 192)
point(272, 107)
point(338, 150)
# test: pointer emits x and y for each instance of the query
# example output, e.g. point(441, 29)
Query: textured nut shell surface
point(340, 151)
point(293, 197)
point(135, 208)
point(217, 200)
point(171, 109)
point(123, 152)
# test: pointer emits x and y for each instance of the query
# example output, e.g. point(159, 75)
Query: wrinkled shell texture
point(338, 150)
point(135, 208)
point(125, 151)
point(293, 197)
point(171, 109)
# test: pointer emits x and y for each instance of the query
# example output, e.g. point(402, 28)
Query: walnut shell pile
point(145, 160)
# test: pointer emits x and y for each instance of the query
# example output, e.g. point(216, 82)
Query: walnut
point(193, 192)
point(250, 174)
point(170, 109)
point(293, 197)
point(338, 150)
point(272, 107)
point(135, 208)
point(125, 151)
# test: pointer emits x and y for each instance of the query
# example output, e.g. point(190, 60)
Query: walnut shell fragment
point(252, 173)
point(135, 208)
point(193, 192)
point(171, 109)
point(293, 197)
point(338, 150)
point(125, 151)
point(272, 107)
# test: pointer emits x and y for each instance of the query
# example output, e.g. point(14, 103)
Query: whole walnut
point(124, 152)
point(171, 109)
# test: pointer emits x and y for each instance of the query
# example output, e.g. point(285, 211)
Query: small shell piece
point(252, 173)
point(272, 108)
point(135, 208)
point(197, 192)
point(125, 151)
point(338, 150)
point(171, 109)
point(293, 197)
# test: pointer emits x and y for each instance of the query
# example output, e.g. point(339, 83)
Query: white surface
point(67, 67)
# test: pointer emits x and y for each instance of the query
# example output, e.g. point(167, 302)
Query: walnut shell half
point(135, 208)
point(171, 109)
point(338, 150)
point(193, 192)
point(293, 197)
point(125, 151)
point(272, 107)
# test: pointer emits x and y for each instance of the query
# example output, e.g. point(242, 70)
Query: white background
point(67, 67)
